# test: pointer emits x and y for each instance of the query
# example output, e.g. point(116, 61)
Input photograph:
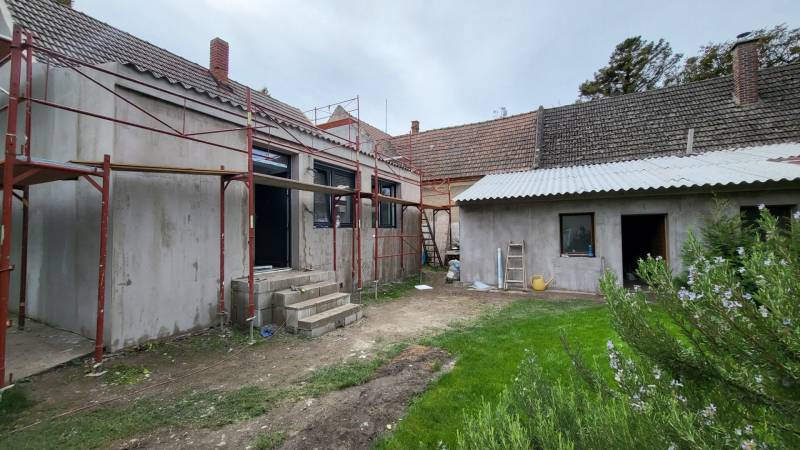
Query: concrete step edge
point(308, 286)
point(305, 304)
point(325, 317)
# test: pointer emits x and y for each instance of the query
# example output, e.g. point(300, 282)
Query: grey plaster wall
point(487, 226)
point(64, 216)
point(163, 251)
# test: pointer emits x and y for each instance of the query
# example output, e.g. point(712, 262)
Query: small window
point(387, 215)
point(577, 234)
point(333, 176)
point(783, 213)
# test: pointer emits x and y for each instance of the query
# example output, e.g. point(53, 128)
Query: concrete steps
point(307, 308)
point(307, 302)
point(319, 324)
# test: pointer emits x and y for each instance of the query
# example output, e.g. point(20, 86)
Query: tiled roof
point(745, 166)
point(628, 127)
point(374, 132)
point(472, 150)
point(72, 33)
point(656, 123)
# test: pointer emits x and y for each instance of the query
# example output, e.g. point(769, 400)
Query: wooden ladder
point(515, 273)
point(429, 243)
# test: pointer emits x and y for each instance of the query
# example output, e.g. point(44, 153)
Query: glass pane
point(576, 234)
point(270, 163)
point(343, 179)
point(321, 201)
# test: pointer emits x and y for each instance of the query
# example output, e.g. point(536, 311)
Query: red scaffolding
point(21, 170)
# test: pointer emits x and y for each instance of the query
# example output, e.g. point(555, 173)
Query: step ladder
point(433, 257)
point(515, 273)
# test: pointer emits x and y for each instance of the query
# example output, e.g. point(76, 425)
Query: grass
point(489, 353)
point(346, 374)
point(122, 375)
point(14, 402)
point(102, 426)
point(269, 441)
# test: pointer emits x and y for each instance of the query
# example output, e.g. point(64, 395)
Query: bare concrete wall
point(487, 226)
point(64, 216)
point(163, 249)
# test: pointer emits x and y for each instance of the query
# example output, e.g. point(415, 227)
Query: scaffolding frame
point(21, 169)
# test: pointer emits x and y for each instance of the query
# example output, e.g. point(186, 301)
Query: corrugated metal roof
point(719, 168)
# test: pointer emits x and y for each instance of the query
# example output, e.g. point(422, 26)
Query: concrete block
point(330, 326)
point(240, 306)
point(308, 308)
point(322, 275)
point(306, 292)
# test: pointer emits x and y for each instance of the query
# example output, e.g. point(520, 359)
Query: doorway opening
point(641, 235)
point(272, 218)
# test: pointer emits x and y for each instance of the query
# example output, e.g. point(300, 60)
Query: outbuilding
point(579, 221)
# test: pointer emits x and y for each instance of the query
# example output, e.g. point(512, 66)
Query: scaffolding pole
point(8, 189)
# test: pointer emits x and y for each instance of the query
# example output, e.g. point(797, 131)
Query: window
point(783, 213)
point(577, 234)
point(332, 176)
point(271, 163)
point(387, 215)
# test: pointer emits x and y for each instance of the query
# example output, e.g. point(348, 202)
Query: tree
point(636, 65)
point(777, 46)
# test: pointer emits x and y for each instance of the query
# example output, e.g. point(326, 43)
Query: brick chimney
point(414, 126)
point(218, 60)
point(745, 69)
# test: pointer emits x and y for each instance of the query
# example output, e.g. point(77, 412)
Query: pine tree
point(777, 46)
point(636, 65)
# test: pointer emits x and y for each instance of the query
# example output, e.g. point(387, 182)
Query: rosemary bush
point(710, 359)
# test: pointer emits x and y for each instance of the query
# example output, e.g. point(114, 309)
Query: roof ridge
point(677, 87)
point(71, 10)
point(469, 124)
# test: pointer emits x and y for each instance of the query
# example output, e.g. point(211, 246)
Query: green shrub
point(710, 359)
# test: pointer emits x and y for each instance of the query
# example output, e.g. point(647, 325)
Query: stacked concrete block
point(307, 303)
point(264, 286)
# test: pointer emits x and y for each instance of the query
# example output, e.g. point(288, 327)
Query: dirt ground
point(282, 361)
point(350, 418)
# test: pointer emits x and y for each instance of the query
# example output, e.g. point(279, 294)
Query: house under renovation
point(145, 195)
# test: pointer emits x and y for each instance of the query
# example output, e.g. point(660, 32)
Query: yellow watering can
point(538, 283)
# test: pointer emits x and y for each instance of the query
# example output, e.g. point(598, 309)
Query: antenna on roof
point(386, 118)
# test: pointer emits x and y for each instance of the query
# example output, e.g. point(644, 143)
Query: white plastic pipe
point(499, 268)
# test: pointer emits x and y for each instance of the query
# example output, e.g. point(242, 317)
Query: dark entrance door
point(272, 211)
point(642, 235)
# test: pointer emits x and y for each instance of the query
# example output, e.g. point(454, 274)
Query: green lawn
point(488, 357)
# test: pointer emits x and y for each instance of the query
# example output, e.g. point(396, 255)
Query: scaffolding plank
point(120, 167)
point(287, 183)
point(47, 171)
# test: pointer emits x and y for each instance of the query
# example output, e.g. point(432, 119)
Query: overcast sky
point(440, 62)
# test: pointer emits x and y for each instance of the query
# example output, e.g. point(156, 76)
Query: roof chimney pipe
point(414, 126)
point(218, 60)
point(745, 69)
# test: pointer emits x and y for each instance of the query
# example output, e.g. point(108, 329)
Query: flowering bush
point(707, 360)
point(731, 334)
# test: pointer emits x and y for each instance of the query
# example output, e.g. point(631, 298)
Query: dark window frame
point(561, 235)
point(782, 212)
point(391, 207)
point(330, 171)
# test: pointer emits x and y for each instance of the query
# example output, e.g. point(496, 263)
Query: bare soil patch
point(351, 418)
point(283, 361)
